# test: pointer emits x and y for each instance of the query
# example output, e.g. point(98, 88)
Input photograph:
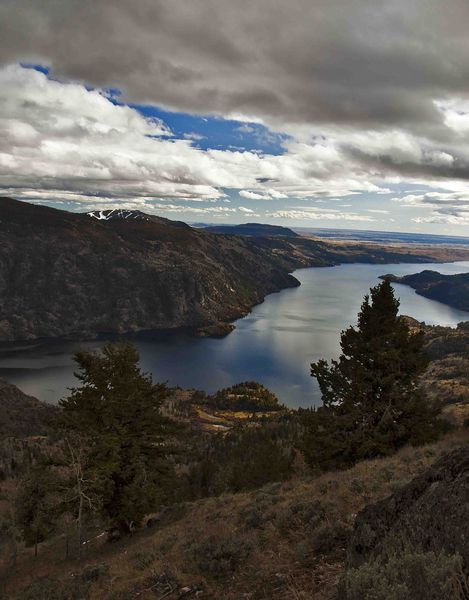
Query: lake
point(274, 344)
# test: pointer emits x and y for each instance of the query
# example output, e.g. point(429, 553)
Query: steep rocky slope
point(65, 274)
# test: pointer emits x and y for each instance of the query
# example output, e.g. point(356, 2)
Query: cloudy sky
point(320, 113)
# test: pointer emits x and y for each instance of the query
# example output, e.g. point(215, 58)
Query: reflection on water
point(274, 344)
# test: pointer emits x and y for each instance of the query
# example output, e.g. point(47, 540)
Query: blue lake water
point(274, 344)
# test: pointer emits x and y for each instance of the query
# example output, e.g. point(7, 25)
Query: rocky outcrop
point(430, 514)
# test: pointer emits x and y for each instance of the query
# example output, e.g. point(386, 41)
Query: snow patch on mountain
point(118, 214)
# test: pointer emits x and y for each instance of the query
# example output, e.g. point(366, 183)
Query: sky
point(313, 113)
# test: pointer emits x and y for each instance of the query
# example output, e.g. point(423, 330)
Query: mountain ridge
point(66, 274)
point(253, 229)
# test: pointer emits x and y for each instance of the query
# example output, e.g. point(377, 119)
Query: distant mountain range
point(383, 237)
point(68, 274)
point(252, 229)
point(449, 289)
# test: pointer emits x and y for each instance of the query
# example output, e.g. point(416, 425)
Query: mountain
point(252, 229)
point(449, 289)
point(115, 214)
point(66, 274)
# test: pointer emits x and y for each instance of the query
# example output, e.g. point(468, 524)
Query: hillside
point(253, 229)
point(21, 415)
point(449, 289)
point(285, 540)
point(446, 379)
point(66, 274)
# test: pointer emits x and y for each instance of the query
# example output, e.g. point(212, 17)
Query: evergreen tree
point(371, 401)
point(35, 506)
point(117, 408)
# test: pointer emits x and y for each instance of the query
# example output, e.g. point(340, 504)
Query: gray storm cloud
point(366, 62)
point(368, 91)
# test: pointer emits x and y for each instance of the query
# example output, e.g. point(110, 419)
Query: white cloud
point(63, 142)
point(302, 213)
point(62, 139)
point(450, 208)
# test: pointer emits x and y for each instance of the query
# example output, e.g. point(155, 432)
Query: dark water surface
point(274, 344)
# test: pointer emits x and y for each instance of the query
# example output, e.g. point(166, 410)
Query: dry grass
point(284, 541)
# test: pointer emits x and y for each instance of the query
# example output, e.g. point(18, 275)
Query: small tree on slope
point(117, 408)
point(371, 401)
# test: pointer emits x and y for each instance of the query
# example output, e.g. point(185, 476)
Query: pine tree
point(117, 408)
point(371, 401)
point(36, 506)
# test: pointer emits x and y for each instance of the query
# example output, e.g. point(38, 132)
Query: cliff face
point(65, 274)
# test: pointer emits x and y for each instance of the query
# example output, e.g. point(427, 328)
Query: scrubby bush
point(409, 576)
point(218, 557)
point(301, 514)
point(330, 539)
point(143, 560)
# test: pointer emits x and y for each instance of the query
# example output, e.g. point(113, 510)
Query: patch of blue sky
point(204, 132)
point(41, 68)
point(209, 132)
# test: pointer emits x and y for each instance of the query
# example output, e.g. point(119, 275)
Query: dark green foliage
point(117, 409)
point(248, 396)
point(371, 402)
point(407, 576)
point(243, 459)
point(36, 506)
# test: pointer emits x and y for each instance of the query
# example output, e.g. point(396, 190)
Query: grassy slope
point(280, 542)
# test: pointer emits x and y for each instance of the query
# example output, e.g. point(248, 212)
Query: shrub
point(218, 557)
point(330, 539)
point(412, 575)
point(357, 486)
point(300, 514)
point(143, 560)
point(328, 486)
point(253, 517)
